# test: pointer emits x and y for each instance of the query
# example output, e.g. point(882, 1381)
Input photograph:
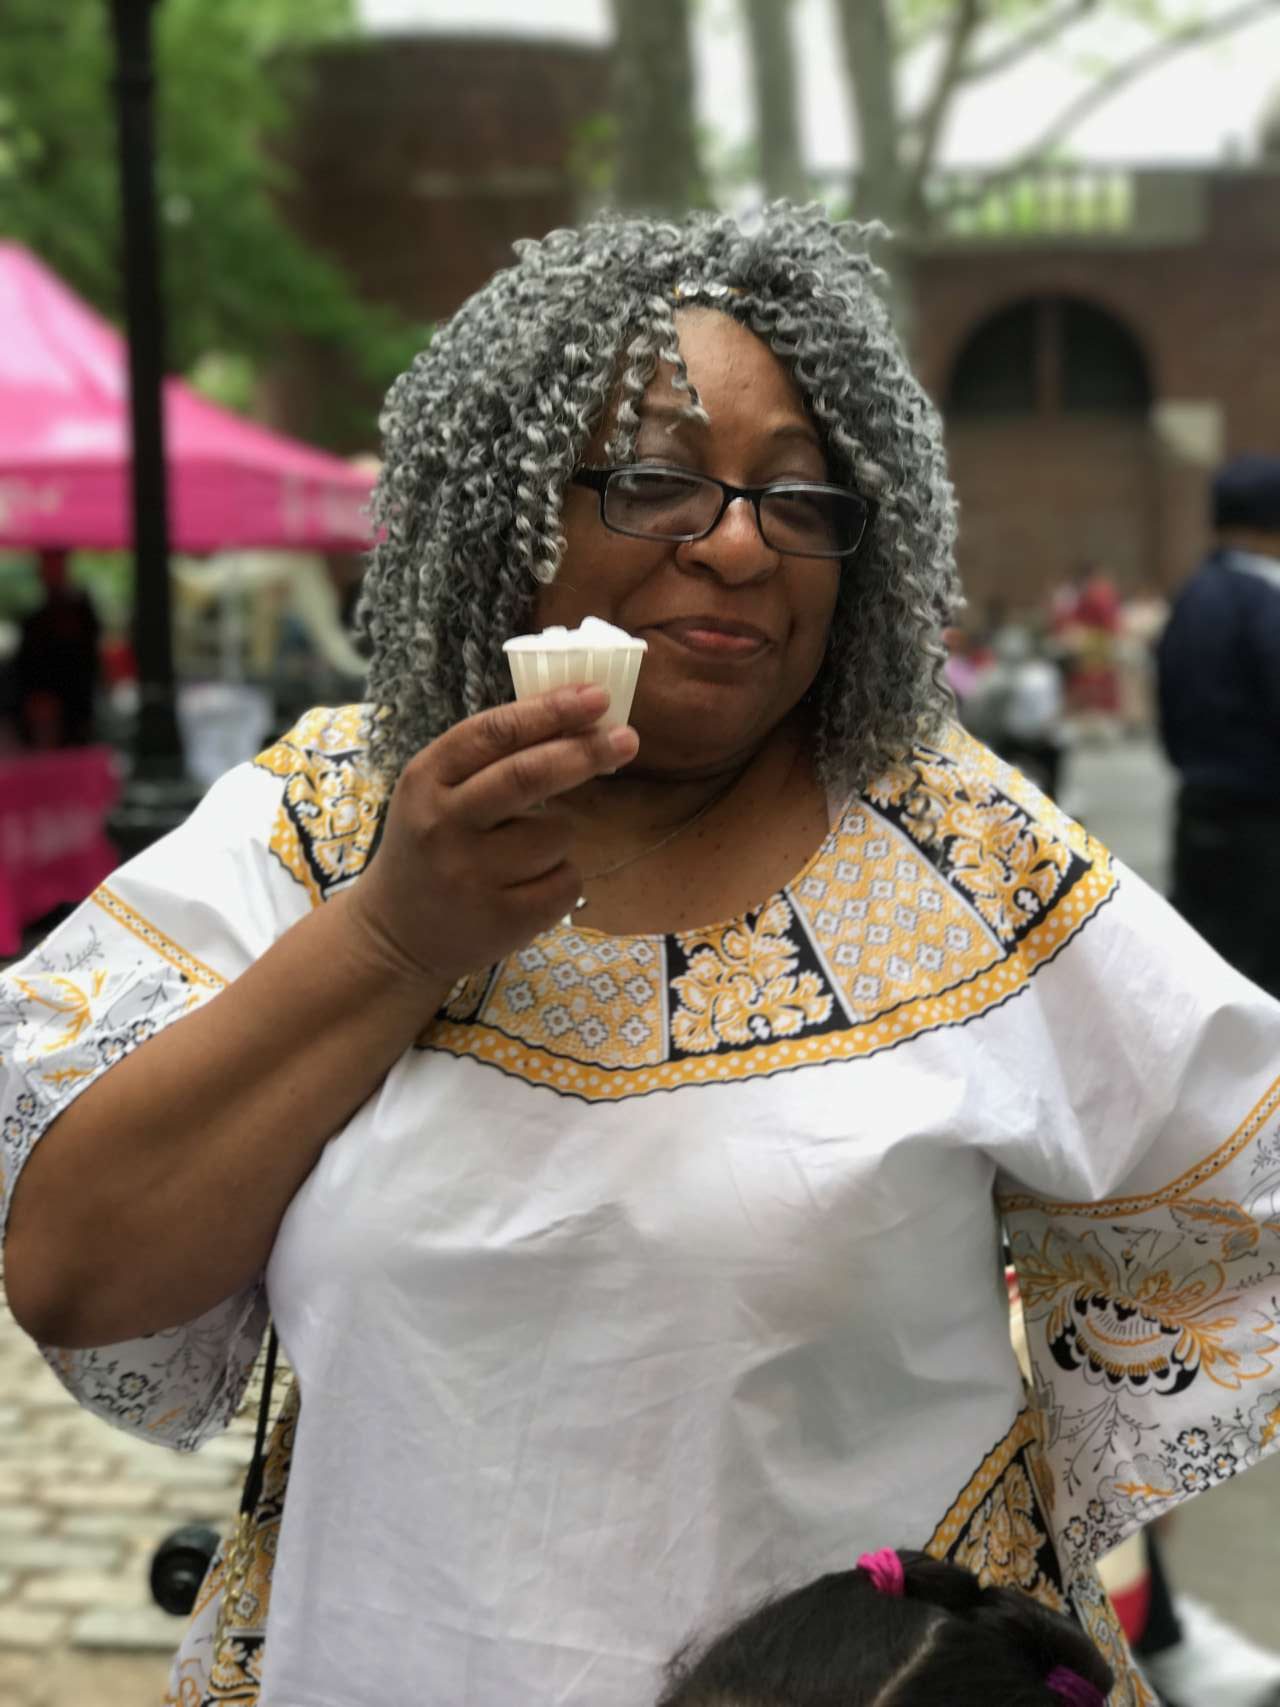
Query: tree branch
point(1047, 30)
point(773, 73)
point(965, 20)
point(908, 37)
point(1189, 35)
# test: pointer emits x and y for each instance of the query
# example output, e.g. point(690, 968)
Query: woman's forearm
point(159, 1191)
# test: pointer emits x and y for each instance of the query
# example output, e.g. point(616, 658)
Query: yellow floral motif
point(62, 995)
point(233, 1677)
point(996, 1529)
point(1241, 1233)
point(997, 854)
point(66, 1076)
point(328, 820)
point(1130, 1319)
point(1103, 1628)
point(1270, 1430)
point(973, 758)
point(741, 986)
point(1145, 1489)
point(1004, 1537)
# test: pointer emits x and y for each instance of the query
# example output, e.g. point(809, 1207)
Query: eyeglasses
point(802, 518)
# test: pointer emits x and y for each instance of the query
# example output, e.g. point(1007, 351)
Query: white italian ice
point(595, 651)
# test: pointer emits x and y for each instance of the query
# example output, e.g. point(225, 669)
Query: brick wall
point(1033, 508)
point(1040, 493)
point(418, 161)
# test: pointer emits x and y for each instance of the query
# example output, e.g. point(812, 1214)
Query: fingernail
point(623, 740)
point(591, 690)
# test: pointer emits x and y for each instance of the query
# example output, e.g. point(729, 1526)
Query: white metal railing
point(1117, 204)
point(1049, 202)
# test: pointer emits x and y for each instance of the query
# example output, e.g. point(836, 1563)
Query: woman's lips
point(712, 641)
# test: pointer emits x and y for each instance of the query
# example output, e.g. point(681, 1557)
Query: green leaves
point(236, 278)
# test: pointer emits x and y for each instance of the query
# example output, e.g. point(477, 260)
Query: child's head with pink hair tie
point(899, 1630)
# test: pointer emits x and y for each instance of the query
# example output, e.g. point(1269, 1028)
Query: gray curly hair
point(485, 429)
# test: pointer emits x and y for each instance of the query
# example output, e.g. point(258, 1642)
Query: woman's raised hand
point(473, 862)
point(468, 870)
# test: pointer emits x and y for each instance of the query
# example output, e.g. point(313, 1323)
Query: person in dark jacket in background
point(1219, 690)
point(56, 665)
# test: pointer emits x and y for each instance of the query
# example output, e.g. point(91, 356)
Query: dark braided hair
point(842, 1642)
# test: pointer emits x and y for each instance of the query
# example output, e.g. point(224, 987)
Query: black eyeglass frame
point(597, 480)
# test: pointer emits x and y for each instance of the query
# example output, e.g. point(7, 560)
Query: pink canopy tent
point(65, 447)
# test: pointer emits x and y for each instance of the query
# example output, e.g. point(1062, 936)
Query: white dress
point(668, 1272)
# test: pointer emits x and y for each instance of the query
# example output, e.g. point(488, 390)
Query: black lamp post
point(158, 793)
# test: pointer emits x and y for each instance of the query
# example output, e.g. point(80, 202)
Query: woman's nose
point(735, 550)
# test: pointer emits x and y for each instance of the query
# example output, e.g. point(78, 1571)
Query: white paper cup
point(537, 670)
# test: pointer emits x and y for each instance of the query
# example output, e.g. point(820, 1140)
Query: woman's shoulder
point(330, 808)
point(324, 740)
point(954, 770)
point(991, 836)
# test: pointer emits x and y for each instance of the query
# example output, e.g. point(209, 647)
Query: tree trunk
point(658, 165)
point(773, 66)
point(880, 186)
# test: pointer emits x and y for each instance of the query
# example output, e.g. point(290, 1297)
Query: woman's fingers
point(478, 742)
point(527, 779)
point(528, 847)
point(473, 862)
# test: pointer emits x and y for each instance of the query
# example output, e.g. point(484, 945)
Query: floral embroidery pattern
point(1004, 1542)
point(329, 817)
point(878, 940)
point(71, 1013)
point(985, 843)
point(65, 997)
point(1124, 1320)
point(742, 986)
point(1125, 1324)
point(999, 1529)
point(889, 929)
point(199, 1677)
point(1089, 1602)
point(577, 996)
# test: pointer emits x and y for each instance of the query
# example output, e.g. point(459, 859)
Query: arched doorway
point(1048, 411)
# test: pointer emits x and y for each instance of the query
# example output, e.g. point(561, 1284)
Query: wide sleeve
point(165, 934)
point(1141, 1194)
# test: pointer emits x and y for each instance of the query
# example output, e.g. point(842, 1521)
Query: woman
point(637, 1264)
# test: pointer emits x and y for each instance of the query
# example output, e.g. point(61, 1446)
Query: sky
point(1205, 104)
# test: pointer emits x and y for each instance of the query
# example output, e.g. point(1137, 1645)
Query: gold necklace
point(631, 859)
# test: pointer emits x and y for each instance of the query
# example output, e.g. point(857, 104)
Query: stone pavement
point(83, 1506)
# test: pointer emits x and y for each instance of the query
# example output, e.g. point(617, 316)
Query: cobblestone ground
point(82, 1508)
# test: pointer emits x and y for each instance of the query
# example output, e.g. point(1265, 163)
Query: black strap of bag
point(239, 1547)
point(257, 1464)
point(182, 1560)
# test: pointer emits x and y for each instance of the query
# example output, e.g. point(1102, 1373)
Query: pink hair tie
point(1077, 1691)
point(885, 1570)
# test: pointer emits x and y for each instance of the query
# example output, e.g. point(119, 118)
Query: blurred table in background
point(53, 841)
